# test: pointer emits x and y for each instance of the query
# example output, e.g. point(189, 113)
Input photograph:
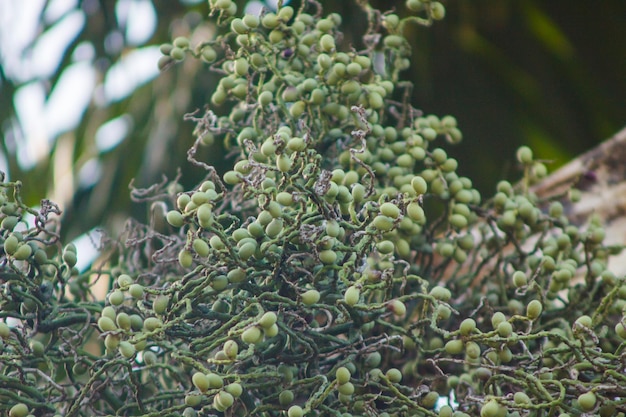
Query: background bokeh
point(84, 110)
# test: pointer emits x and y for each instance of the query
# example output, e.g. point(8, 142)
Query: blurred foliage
point(546, 74)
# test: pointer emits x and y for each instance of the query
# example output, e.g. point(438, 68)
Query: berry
point(351, 296)
point(200, 381)
point(295, 411)
point(310, 297)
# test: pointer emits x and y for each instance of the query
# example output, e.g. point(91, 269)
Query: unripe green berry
point(238, 26)
point(152, 323)
point(519, 279)
point(112, 342)
point(160, 304)
point(342, 374)
point(328, 257)
point(437, 10)
point(394, 375)
point(136, 291)
point(18, 410)
point(123, 321)
point(472, 350)
point(185, 258)
point(105, 324)
point(127, 349)
point(37, 348)
point(382, 223)
point(467, 327)
point(23, 252)
point(497, 318)
point(200, 381)
point(327, 43)
point(351, 296)
point(390, 210)
point(252, 335)
point(587, 401)
point(397, 307)
point(224, 399)
point(174, 218)
point(524, 155)
point(505, 329)
point(231, 349)
point(393, 41)
point(521, 398)
point(454, 347)
point(285, 397)
point(490, 409)
point(310, 297)
point(116, 297)
point(234, 389)
point(440, 293)
point(295, 411)
point(177, 53)
point(5, 331)
point(534, 309)
point(267, 320)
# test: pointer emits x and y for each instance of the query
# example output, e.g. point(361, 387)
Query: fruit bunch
point(343, 266)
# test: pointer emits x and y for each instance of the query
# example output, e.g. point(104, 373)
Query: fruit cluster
point(343, 266)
